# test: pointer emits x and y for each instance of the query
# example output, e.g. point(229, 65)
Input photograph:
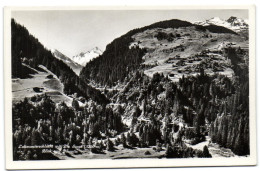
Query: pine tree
point(206, 152)
point(110, 145)
point(123, 140)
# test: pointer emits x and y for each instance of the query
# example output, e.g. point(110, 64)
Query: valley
point(172, 89)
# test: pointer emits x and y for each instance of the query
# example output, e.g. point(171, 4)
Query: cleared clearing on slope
point(53, 87)
point(188, 49)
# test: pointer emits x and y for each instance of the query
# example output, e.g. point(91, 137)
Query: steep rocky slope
point(73, 65)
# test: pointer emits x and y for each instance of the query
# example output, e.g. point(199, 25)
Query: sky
point(72, 32)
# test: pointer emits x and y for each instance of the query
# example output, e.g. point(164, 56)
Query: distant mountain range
point(233, 23)
point(73, 65)
point(77, 62)
point(84, 57)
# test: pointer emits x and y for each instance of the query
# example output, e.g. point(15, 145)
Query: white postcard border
point(126, 163)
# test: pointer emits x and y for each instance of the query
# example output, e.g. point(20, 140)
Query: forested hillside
point(208, 105)
point(118, 59)
point(231, 127)
point(27, 49)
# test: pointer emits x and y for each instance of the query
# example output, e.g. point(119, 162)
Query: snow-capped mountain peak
point(73, 65)
point(216, 20)
point(233, 23)
point(84, 57)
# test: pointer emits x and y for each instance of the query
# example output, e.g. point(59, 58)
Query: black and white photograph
point(140, 86)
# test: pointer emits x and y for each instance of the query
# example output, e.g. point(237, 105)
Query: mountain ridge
point(119, 59)
point(233, 23)
point(74, 66)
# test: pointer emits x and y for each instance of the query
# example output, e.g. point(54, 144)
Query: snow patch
point(233, 23)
